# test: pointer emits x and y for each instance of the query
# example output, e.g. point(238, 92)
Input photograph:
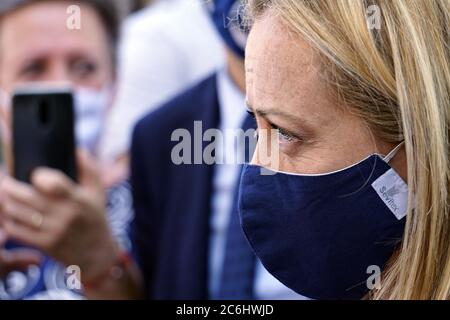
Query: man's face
point(36, 45)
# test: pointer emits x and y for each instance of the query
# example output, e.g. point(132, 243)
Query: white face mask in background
point(90, 111)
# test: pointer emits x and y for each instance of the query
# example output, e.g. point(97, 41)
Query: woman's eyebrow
point(267, 112)
point(274, 112)
point(263, 112)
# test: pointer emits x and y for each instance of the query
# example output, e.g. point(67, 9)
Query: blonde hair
point(397, 78)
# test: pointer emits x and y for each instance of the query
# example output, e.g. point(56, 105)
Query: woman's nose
point(267, 153)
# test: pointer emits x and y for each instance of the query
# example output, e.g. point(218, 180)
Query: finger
point(22, 214)
point(18, 260)
point(89, 173)
point(20, 257)
point(52, 182)
point(23, 193)
point(24, 234)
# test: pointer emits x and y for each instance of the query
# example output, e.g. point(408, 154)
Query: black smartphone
point(43, 123)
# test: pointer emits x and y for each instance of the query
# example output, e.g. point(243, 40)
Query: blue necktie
point(238, 270)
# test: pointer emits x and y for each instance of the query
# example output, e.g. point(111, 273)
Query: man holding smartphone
point(37, 47)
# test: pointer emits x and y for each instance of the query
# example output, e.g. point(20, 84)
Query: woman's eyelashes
point(284, 135)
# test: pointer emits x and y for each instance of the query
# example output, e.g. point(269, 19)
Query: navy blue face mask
point(323, 235)
point(227, 16)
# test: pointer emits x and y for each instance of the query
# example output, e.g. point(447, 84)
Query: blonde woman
point(360, 195)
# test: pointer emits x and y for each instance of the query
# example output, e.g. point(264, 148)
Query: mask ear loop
point(393, 153)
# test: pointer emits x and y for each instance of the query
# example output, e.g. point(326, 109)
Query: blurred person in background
point(165, 48)
point(37, 47)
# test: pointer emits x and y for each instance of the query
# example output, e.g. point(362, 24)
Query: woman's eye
point(285, 136)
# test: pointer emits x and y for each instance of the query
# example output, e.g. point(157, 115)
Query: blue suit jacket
point(172, 203)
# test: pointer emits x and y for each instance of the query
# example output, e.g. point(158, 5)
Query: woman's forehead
point(280, 66)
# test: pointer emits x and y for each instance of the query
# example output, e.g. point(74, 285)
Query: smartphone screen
point(43, 131)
